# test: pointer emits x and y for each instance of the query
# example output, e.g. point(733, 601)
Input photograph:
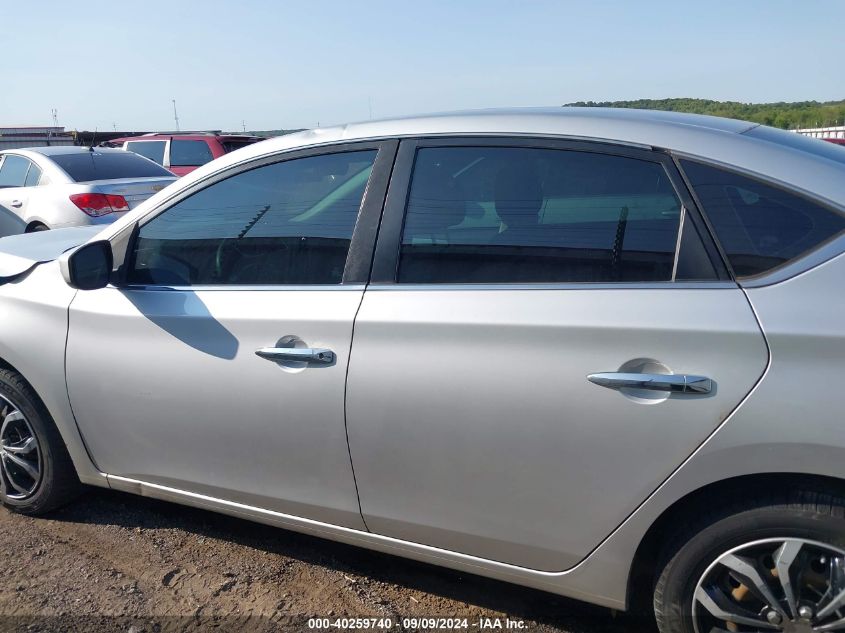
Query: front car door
point(163, 372)
point(507, 271)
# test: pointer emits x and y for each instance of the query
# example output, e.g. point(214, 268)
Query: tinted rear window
point(759, 226)
point(189, 153)
point(514, 215)
point(231, 146)
point(86, 166)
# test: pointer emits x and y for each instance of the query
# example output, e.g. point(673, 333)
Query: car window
point(107, 165)
point(759, 226)
point(13, 171)
point(231, 145)
point(33, 175)
point(154, 150)
point(508, 215)
point(285, 223)
point(189, 153)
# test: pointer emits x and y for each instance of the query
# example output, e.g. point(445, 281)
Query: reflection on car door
point(521, 270)
point(254, 262)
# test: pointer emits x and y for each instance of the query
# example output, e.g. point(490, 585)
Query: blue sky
point(277, 64)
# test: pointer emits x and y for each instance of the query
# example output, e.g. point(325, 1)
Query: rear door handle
point(16, 203)
point(676, 383)
point(297, 354)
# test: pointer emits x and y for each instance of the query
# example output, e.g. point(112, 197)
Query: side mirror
point(88, 267)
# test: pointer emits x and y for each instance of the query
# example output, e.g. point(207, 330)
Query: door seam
point(345, 414)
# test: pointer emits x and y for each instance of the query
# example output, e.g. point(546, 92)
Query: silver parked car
point(596, 352)
point(55, 187)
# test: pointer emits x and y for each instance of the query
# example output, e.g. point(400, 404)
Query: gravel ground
point(115, 562)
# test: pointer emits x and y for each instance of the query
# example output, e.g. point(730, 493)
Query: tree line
point(789, 116)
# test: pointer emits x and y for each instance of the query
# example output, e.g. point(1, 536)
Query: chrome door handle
point(676, 383)
point(16, 203)
point(297, 354)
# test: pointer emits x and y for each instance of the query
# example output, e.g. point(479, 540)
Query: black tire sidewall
point(684, 570)
point(33, 411)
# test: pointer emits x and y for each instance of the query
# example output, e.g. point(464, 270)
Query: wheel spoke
point(10, 479)
point(748, 571)
point(835, 603)
point(710, 601)
point(29, 445)
point(20, 455)
point(837, 625)
point(14, 416)
point(22, 463)
point(784, 557)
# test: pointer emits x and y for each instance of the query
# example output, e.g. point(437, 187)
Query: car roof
point(811, 166)
point(638, 127)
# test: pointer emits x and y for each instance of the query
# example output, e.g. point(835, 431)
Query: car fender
point(34, 314)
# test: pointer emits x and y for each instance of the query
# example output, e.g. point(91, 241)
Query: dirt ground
point(115, 562)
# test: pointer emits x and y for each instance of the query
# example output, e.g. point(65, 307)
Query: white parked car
point(53, 187)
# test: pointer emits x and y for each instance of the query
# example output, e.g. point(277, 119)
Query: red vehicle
point(183, 153)
point(838, 141)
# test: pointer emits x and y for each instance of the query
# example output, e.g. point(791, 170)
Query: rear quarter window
point(87, 166)
point(154, 150)
point(189, 153)
point(231, 146)
point(759, 226)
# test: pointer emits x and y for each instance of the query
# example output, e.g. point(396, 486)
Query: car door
point(527, 299)
point(15, 183)
point(218, 364)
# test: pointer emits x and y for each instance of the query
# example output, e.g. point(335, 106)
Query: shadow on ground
point(103, 507)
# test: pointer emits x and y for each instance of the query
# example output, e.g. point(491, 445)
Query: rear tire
point(36, 472)
point(35, 227)
point(703, 557)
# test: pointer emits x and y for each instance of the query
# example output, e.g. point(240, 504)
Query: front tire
point(773, 564)
point(36, 472)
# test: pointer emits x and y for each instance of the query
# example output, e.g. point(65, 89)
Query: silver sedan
point(590, 351)
point(55, 187)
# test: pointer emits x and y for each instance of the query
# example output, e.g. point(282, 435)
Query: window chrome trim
point(591, 285)
point(678, 241)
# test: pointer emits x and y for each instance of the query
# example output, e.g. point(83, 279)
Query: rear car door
point(218, 364)
point(508, 273)
point(16, 182)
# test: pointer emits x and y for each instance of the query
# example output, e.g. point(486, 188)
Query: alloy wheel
point(20, 454)
point(792, 585)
